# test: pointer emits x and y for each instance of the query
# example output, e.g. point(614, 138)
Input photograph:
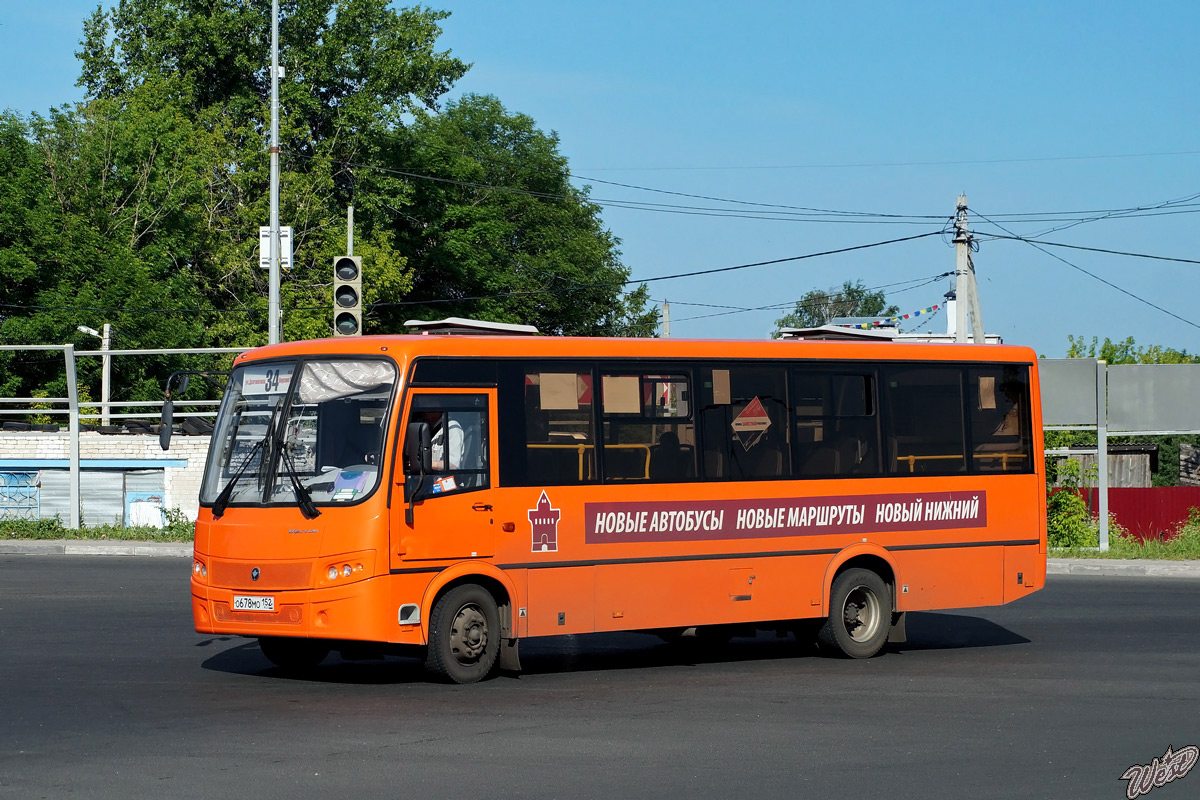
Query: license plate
point(246, 603)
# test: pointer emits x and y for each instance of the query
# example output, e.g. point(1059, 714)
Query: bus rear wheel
point(464, 635)
point(292, 654)
point(860, 613)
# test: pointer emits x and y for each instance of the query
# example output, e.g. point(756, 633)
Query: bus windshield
point(316, 425)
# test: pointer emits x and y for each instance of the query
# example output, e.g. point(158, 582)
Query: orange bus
point(460, 493)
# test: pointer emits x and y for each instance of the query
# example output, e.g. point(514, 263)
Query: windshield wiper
point(222, 501)
point(303, 497)
point(219, 505)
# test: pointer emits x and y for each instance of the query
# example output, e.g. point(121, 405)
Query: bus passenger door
point(447, 512)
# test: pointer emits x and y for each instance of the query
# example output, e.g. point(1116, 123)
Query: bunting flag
point(924, 312)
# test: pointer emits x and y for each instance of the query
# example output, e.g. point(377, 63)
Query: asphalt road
point(105, 691)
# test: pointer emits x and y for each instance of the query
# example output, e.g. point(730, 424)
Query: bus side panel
point(958, 577)
point(1024, 571)
point(562, 600)
point(705, 592)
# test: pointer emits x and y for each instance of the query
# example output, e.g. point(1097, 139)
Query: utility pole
point(965, 287)
point(105, 373)
point(666, 320)
point(106, 367)
point(273, 310)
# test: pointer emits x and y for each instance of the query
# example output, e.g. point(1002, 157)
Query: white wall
point(181, 484)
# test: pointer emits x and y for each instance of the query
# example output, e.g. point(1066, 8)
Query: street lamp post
point(106, 368)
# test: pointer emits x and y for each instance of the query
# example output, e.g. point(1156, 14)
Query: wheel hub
point(469, 634)
point(862, 614)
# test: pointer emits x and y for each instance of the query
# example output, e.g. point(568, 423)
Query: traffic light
point(347, 296)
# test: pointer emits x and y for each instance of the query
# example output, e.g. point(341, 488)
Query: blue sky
point(888, 108)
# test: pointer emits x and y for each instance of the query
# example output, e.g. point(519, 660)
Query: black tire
point(860, 614)
point(464, 635)
point(293, 654)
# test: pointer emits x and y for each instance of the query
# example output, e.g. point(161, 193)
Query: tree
point(816, 308)
point(354, 70)
point(502, 234)
point(141, 206)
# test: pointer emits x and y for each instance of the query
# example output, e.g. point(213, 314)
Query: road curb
point(95, 547)
point(1127, 567)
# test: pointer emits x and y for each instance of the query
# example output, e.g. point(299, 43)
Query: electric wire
point(1090, 274)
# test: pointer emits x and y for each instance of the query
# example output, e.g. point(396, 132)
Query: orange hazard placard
point(751, 425)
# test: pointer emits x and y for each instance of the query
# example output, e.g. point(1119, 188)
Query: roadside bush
point(1069, 521)
point(178, 529)
point(1185, 543)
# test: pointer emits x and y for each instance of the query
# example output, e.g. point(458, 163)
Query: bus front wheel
point(464, 635)
point(292, 654)
point(860, 612)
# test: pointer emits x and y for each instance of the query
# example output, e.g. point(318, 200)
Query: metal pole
point(73, 427)
point(1102, 449)
point(666, 320)
point(105, 374)
point(273, 310)
point(349, 230)
point(962, 260)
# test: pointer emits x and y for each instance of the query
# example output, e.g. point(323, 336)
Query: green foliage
point(1069, 522)
point(178, 529)
point(1127, 352)
point(140, 207)
point(507, 238)
point(1183, 544)
point(817, 307)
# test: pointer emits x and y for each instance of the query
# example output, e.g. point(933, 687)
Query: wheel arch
point(481, 574)
point(864, 556)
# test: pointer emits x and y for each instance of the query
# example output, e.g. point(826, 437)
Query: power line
point(1037, 246)
point(790, 258)
point(897, 163)
point(761, 210)
point(811, 300)
point(1027, 240)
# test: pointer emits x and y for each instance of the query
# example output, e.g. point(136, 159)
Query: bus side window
point(744, 418)
point(648, 432)
point(559, 437)
point(835, 423)
point(998, 400)
point(458, 438)
point(925, 411)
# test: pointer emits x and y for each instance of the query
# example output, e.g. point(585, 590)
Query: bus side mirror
point(418, 449)
point(164, 432)
point(418, 458)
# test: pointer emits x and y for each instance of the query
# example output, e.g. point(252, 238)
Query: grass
point(178, 529)
point(1185, 544)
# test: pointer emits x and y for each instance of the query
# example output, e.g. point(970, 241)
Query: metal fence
point(68, 406)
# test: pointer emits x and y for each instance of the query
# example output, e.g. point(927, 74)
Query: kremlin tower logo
point(544, 522)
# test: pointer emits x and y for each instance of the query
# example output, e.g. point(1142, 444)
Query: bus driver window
point(458, 437)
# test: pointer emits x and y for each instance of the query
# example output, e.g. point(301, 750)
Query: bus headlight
point(199, 569)
point(348, 567)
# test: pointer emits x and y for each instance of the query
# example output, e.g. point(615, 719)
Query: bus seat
point(670, 460)
point(823, 461)
point(554, 464)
